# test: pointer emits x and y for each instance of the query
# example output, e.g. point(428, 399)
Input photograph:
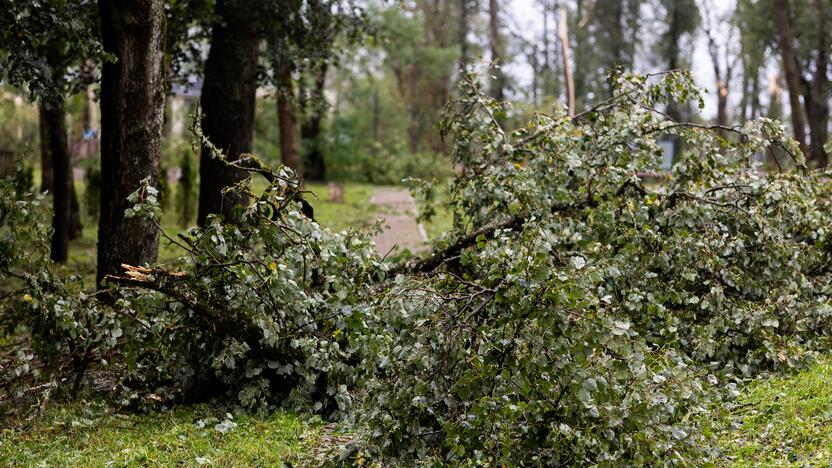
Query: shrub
point(62, 320)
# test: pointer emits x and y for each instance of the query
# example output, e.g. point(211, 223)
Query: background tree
point(754, 40)
point(228, 98)
point(790, 68)
point(498, 81)
point(132, 111)
point(45, 48)
point(681, 18)
point(720, 33)
point(421, 57)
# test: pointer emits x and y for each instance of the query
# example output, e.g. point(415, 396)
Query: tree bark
point(581, 55)
point(46, 172)
point(567, 70)
point(228, 98)
point(611, 20)
point(53, 126)
point(75, 227)
point(723, 79)
point(310, 131)
point(463, 35)
point(498, 83)
point(781, 17)
point(817, 104)
point(132, 109)
point(288, 120)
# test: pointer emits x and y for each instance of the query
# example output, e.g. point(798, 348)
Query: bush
point(62, 320)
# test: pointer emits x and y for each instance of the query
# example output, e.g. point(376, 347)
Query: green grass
point(779, 421)
point(92, 434)
point(356, 211)
point(441, 222)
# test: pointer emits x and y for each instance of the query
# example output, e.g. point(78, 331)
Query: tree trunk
point(75, 227)
point(288, 121)
point(46, 171)
point(463, 35)
point(817, 106)
point(781, 17)
point(581, 50)
point(722, 105)
point(310, 131)
point(673, 59)
point(755, 95)
point(53, 125)
point(498, 82)
point(567, 70)
point(611, 19)
point(132, 108)
point(228, 99)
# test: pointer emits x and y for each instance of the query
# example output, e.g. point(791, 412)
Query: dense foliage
point(579, 312)
point(579, 315)
point(65, 323)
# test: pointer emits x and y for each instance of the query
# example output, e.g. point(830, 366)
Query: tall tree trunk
point(567, 70)
point(498, 83)
point(581, 54)
point(674, 36)
point(722, 105)
point(755, 95)
point(673, 59)
point(288, 121)
point(228, 99)
point(612, 22)
point(463, 34)
point(132, 108)
point(723, 78)
point(781, 17)
point(54, 127)
point(75, 226)
point(310, 131)
point(46, 172)
point(745, 99)
point(817, 106)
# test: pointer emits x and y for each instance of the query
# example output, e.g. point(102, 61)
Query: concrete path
point(401, 228)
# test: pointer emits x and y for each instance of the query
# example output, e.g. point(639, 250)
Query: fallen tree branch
point(174, 285)
point(437, 257)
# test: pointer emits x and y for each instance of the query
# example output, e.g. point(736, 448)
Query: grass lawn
point(91, 434)
point(779, 421)
point(356, 211)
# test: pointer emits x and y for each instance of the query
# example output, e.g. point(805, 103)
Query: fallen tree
point(574, 315)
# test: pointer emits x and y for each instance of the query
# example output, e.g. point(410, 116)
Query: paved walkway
point(402, 230)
